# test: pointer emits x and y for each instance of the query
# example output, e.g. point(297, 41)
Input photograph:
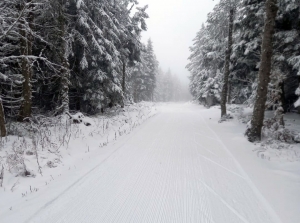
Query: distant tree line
point(170, 88)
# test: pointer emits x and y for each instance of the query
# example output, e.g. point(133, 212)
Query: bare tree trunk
point(25, 50)
point(124, 83)
point(229, 92)
point(279, 114)
point(253, 133)
point(299, 95)
point(2, 176)
point(227, 64)
point(282, 96)
point(65, 67)
point(64, 88)
point(135, 93)
point(152, 95)
point(3, 131)
point(124, 78)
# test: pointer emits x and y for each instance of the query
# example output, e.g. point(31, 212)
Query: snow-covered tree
point(208, 58)
point(66, 54)
point(152, 64)
point(229, 6)
point(20, 60)
point(142, 75)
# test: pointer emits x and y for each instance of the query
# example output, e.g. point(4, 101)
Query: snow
point(297, 103)
point(79, 3)
point(181, 165)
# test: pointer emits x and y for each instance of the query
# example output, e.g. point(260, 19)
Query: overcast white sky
point(172, 26)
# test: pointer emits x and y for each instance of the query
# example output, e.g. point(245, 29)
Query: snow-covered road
point(174, 168)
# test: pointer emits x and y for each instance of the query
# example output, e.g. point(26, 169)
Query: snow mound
point(43, 146)
point(278, 143)
point(278, 151)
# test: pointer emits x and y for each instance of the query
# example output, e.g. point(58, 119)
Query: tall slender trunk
point(26, 69)
point(227, 64)
point(64, 88)
point(229, 92)
point(3, 131)
point(152, 95)
point(282, 96)
point(253, 133)
point(25, 109)
point(135, 92)
point(65, 67)
point(299, 95)
point(124, 83)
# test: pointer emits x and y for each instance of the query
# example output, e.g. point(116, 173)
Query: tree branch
point(14, 24)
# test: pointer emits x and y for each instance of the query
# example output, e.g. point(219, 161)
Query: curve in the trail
point(174, 169)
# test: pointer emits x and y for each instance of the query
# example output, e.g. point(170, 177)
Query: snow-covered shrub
point(225, 118)
point(272, 129)
point(278, 151)
point(80, 118)
point(51, 164)
point(297, 138)
point(15, 160)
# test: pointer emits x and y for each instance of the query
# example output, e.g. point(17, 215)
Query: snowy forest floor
point(179, 166)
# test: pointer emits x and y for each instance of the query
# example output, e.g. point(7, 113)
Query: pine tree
point(138, 80)
point(287, 45)
point(159, 90)
point(207, 58)
point(71, 54)
point(152, 65)
point(246, 50)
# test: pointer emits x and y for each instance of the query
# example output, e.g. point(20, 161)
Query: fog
point(172, 26)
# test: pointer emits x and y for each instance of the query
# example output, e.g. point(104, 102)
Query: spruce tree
point(152, 65)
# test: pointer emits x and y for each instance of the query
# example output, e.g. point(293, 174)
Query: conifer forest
point(58, 56)
point(247, 52)
point(149, 111)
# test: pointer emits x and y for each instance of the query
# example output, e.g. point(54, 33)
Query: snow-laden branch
point(15, 23)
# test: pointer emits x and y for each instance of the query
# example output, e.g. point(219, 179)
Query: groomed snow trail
point(174, 169)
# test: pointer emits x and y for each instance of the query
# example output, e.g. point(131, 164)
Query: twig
point(1, 176)
point(36, 155)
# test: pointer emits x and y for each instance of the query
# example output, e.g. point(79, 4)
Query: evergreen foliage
point(207, 57)
point(61, 55)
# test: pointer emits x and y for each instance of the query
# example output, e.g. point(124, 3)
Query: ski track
point(175, 169)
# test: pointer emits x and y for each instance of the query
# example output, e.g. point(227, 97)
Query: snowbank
point(283, 150)
point(274, 169)
point(48, 146)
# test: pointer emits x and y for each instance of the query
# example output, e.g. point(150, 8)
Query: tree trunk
point(299, 95)
point(253, 133)
point(65, 68)
point(124, 78)
point(282, 96)
point(65, 76)
point(124, 83)
point(25, 50)
point(229, 92)
point(3, 131)
point(227, 64)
